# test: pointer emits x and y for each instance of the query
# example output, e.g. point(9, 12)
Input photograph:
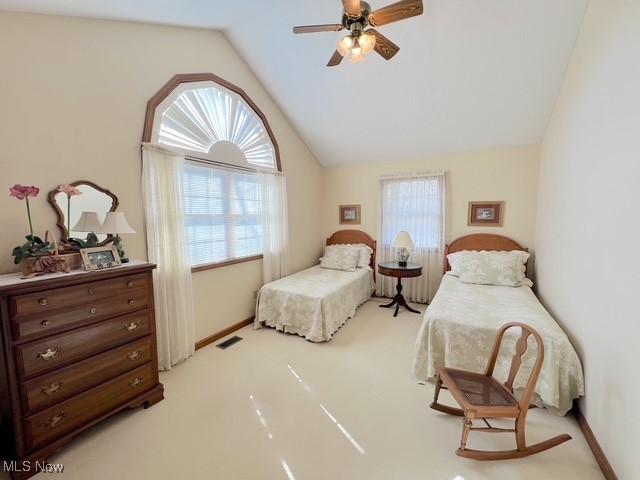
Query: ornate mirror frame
point(64, 234)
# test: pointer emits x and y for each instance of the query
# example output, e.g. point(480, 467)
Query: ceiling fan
point(361, 41)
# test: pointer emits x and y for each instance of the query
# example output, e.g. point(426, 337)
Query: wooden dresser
point(76, 348)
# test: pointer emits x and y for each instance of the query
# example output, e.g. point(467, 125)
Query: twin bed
point(316, 302)
point(459, 326)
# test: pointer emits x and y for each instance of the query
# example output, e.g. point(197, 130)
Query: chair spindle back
point(516, 361)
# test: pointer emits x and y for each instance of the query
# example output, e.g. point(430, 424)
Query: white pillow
point(345, 259)
point(456, 259)
point(365, 252)
point(505, 268)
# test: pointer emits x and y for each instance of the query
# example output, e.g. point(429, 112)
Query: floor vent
point(229, 342)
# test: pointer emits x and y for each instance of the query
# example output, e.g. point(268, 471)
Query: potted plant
point(35, 255)
point(34, 246)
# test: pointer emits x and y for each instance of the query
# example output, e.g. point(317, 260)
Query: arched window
point(226, 141)
point(208, 118)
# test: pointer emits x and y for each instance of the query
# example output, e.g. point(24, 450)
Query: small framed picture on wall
point(487, 214)
point(349, 214)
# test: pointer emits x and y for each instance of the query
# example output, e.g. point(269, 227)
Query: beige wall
point(506, 174)
point(588, 222)
point(74, 93)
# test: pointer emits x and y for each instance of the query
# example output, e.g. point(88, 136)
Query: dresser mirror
point(81, 207)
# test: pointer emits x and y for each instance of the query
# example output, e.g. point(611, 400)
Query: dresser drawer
point(45, 323)
point(77, 411)
point(47, 390)
point(46, 301)
point(52, 352)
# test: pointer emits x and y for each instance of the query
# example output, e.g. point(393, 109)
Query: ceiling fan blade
point(335, 60)
point(395, 12)
point(333, 27)
point(384, 47)
point(352, 8)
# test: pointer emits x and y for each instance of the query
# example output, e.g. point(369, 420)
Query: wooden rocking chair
point(481, 396)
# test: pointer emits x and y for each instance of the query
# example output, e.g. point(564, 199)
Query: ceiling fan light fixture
point(357, 16)
point(357, 55)
point(344, 45)
point(367, 42)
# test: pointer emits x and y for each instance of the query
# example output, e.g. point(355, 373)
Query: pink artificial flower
point(70, 190)
point(23, 191)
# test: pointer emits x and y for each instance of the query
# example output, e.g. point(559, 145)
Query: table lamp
point(403, 244)
point(88, 223)
point(115, 223)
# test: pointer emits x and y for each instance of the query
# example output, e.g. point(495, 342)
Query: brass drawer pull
point(135, 382)
point(91, 291)
point(55, 420)
point(131, 301)
point(93, 310)
point(52, 388)
point(131, 326)
point(49, 354)
point(45, 323)
point(129, 284)
point(133, 355)
point(42, 301)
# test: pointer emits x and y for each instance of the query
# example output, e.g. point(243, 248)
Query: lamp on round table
point(115, 223)
point(403, 244)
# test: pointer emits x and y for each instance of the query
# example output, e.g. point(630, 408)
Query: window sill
point(233, 261)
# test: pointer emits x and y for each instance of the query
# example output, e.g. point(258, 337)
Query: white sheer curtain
point(162, 185)
point(414, 203)
point(274, 226)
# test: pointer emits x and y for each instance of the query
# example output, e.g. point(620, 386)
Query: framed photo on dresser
point(98, 258)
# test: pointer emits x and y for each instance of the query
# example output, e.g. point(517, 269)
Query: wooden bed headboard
point(480, 241)
point(354, 236)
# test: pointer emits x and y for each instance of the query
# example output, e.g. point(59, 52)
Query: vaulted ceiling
point(470, 74)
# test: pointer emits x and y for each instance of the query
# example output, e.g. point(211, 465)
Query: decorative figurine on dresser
point(76, 346)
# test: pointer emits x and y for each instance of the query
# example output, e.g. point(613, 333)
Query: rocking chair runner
point(481, 396)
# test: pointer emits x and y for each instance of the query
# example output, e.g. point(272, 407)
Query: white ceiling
point(470, 74)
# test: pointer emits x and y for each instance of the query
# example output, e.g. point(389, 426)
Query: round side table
point(393, 269)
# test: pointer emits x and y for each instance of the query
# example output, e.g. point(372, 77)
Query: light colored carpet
point(275, 406)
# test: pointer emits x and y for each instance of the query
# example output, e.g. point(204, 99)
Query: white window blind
point(201, 117)
point(413, 205)
point(222, 214)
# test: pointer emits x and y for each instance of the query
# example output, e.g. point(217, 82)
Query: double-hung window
point(414, 204)
point(222, 214)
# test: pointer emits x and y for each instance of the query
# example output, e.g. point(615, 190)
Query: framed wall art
point(487, 214)
point(349, 214)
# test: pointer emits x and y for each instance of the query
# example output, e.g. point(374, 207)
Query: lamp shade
point(403, 240)
point(115, 222)
point(88, 222)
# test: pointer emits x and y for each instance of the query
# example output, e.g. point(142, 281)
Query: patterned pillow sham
point(345, 259)
point(456, 259)
point(491, 267)
point(365, 252)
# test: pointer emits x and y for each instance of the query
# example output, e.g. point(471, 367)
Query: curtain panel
point(274, 226)
point(162, 186)
point(414, 203)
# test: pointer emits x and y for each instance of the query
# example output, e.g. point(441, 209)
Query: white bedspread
point(313, 303)
point(460, 326)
